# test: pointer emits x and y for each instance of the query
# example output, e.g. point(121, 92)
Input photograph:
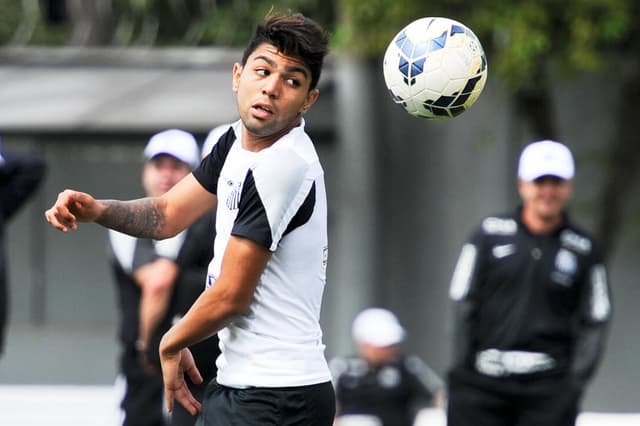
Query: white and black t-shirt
point(276, 198)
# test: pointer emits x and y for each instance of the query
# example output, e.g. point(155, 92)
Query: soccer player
point(532, 304)
point(267, 276)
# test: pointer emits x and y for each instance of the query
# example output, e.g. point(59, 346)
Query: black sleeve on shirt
point(304, 212)
point(252, 221)
point(588, 352)
point(593, 326)
point(208, 171)
point(463, 306)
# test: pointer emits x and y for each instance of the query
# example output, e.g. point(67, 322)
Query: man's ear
point(237, 72)
point(312, 97)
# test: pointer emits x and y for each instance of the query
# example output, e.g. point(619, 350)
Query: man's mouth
point(262, 110)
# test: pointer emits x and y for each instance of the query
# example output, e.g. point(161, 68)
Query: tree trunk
point(534, 104)
point(91, 22)
point(623, 159)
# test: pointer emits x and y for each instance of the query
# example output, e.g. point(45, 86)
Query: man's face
point(272, 91)
point(545, 197)
point(377, 355)
point(161, 173)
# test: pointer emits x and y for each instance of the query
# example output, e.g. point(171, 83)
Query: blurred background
point(85, 83)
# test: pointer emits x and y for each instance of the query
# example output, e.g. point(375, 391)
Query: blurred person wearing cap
point(531, 306)
point(157, 283)
point(381, 386)
point(20, 176)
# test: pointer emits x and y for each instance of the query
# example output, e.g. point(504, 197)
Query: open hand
point(174, 367)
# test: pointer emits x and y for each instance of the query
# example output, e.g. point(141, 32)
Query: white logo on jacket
point(576, 242)
point(566, 265)
point(503, 250)
point(499, 226)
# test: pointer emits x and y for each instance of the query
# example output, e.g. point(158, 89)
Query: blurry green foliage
point(9, 19)
point(518, 35)
point(150, 22)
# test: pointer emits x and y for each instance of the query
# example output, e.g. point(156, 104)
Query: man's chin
point(550, 215)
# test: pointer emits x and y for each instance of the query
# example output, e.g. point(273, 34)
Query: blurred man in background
point(380, 386)
point(20, 175)
point(157, 283)
point(531, 304)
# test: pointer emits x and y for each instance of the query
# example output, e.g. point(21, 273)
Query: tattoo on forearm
point(139, 218)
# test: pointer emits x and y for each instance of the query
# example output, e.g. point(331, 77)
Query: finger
point(65, 217)
point(194, 375)
point(59, 215)
point(169, 398)
point(58, 222)
point(197, 407)
point(188, 401)
point(48, 215)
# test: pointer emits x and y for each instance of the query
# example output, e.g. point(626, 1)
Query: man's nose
point(271, 86)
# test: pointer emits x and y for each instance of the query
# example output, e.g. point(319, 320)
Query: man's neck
point(254, 143)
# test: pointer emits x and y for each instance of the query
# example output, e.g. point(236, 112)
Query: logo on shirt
point(499, 226)
point(389, 377)
point(211, 279)
point(566, 265)
point(575, 242)
point(566, 261)
point(233, 199)
point(503, 250)
point(325, 258)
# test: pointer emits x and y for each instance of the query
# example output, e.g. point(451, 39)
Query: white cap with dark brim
point(545, 158)
point(176, 143)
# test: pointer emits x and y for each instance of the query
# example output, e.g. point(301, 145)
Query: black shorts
point(473, 405)
point(312, 405)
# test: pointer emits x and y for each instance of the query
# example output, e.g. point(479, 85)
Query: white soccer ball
point(435, 68)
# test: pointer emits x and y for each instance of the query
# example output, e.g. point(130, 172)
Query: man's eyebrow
point(290, 69)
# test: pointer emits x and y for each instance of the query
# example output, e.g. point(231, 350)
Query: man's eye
point(293, 82)
point(262, 71)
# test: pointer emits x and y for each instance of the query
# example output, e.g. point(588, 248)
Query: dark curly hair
point(293, 35)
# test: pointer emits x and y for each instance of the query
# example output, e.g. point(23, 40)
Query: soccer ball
point(435, 68)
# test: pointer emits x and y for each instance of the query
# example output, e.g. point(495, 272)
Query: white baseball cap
point(377, 327)
point(176, 143)
point(545, 158)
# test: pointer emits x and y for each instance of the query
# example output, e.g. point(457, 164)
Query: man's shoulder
point(281, 166)
point(577, 239)
point(298, 142)
point(500, 224)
